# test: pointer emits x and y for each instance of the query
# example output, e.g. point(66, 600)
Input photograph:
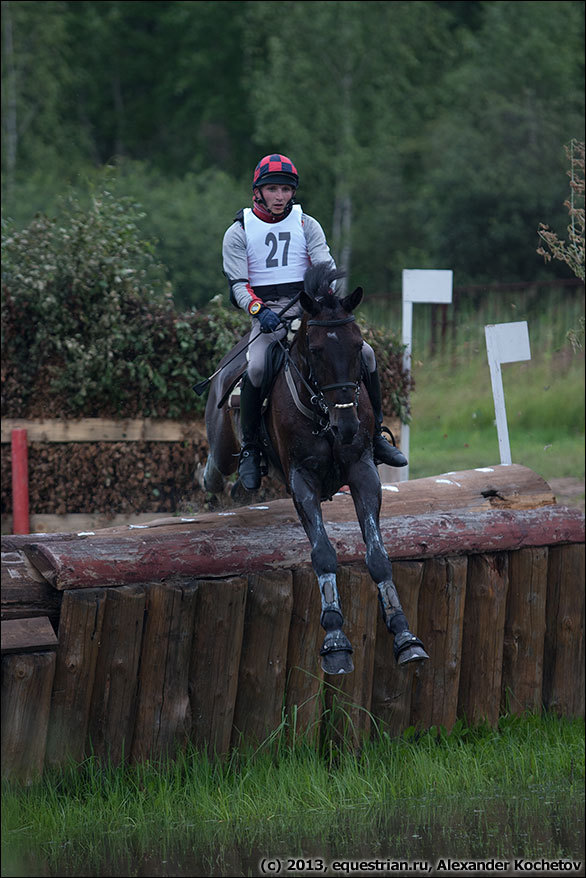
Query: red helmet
point(275, 169)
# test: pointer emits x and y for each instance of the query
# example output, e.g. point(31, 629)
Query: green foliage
point(90, 328)
point(572, 252)
point(339, 799)
point(427, 134)
point(88, 321)
point(453, 416)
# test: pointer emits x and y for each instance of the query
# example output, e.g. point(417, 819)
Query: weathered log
point(215, 660)
point(563, 678)
point(25, 593)
point(26, 699)
point(440, 617)
point(28, 635)
point(304, 673)
point(524, 631)
point(163, 715)
point(113, 704)
point(483, 489)
point(123, 560)
point(263, 661)
point(348, 699)
point(80, 631)
point(483, 633)
point(392, 685)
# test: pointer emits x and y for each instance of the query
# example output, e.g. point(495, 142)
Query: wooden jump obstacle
point(130, 641)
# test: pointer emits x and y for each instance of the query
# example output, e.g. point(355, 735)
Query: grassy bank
point(453, 415)
point(291, 791)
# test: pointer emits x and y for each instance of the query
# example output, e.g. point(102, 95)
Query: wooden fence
point(131, 641)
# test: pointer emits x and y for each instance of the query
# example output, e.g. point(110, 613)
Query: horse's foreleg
point(336, 651)
point(366, 492)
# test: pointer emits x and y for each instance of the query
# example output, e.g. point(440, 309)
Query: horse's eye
point(316, 352)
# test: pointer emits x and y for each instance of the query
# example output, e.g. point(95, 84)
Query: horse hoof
point(339, 662)
point(412, 654)
point(408, 648)
point(336, 653)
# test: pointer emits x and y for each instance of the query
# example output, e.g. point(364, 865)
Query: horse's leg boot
point(383, 451)
point(250, 457)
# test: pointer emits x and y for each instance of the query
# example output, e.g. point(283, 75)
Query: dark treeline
point(426, 134)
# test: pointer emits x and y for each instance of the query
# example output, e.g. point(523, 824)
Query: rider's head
point(274, 184)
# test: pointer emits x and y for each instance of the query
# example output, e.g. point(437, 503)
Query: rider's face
point(277, 196)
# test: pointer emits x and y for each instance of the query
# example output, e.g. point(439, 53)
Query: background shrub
point(90, 328)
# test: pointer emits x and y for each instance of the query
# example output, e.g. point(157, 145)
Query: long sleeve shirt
point(235, 261)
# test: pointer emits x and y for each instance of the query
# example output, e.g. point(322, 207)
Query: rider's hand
point(268, 320)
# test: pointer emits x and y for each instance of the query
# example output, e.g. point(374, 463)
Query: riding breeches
point(260, 341)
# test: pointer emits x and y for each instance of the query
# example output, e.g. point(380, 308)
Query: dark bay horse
point(320, 423)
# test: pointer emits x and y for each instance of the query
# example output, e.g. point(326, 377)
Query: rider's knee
point(368, 357)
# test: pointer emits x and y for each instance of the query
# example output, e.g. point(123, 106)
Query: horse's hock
point(130, 641)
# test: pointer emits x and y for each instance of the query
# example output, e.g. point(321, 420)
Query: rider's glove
point(268, 319)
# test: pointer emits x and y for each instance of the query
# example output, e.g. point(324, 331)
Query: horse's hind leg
point(366, 493)
point(223, 447)
point(336, 652)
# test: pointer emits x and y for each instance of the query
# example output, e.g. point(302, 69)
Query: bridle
point(321, 411)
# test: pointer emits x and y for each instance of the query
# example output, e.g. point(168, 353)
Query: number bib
point(277, 253)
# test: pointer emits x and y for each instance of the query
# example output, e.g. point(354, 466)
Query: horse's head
point(331, 346)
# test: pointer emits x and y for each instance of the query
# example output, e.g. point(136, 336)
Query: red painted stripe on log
point(90, 562)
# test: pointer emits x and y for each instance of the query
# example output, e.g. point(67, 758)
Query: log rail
point(205, 630)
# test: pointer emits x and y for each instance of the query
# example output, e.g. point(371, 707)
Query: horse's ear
point(353, 300)
point(308, 303)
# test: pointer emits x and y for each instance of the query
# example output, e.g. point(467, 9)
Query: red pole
point(20, 511)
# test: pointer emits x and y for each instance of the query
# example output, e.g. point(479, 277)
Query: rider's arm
point(317, 246)
point(235, 265)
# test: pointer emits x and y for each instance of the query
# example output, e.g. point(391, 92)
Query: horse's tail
point(318, 278)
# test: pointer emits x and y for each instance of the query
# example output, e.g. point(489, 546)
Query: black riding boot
point(250, 457)
point(383, 450)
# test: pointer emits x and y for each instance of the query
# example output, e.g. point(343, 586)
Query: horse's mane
point(317, 283)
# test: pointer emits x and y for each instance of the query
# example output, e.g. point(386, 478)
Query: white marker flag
point(505, 343)
point(419, 285)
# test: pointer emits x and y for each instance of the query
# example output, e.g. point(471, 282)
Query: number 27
point(272, 260)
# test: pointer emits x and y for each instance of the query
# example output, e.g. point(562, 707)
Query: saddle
point(231, 378)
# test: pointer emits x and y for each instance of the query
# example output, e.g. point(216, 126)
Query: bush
point(90, 329)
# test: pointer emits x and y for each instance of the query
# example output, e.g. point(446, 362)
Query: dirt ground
point(568, 492)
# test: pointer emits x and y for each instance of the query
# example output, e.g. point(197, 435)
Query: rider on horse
point(266, 252)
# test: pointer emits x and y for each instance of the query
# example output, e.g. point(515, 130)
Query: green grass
point(283, 789)
point(453, 415)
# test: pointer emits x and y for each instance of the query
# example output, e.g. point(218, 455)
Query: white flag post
point(505, 343)
point(419, 285)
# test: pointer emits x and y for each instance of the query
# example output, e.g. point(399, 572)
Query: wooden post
point(349, 699)
point(25, 593)
point(113, 704)
point(26, 698)
point(440, 619)
point(563, 663)
point(80, 631)
point(483, 637)
point(20, 509)
point(163, 713)
point(392, 686)
point(524, 631)
point(215, 660)
point(263, 663)
point(304, 674)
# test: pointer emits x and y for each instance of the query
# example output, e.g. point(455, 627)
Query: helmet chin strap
point(263, 207)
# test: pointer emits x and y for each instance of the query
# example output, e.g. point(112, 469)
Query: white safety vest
point(276, 252)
